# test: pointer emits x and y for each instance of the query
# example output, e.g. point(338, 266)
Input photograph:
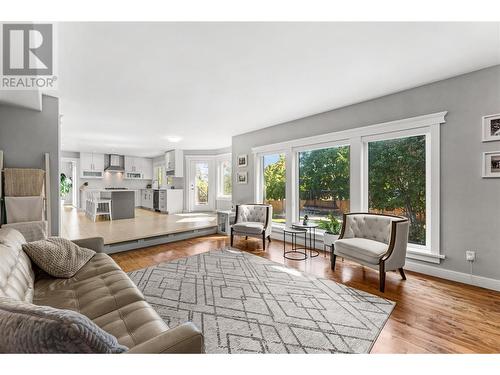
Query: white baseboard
point(483, 282)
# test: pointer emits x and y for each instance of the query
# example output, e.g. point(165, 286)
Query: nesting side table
point(310, 229)
point(296, 250)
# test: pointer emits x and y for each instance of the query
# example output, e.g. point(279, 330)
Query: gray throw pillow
point(28, 328)
point(57, 256)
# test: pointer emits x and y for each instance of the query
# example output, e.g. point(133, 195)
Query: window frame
point(431, 197)
point(219, 182)
point(322, 146)
point(356, 139)
point(259, 182)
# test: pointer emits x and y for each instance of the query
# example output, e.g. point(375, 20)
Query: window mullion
point(358, 190)
point(291, 187)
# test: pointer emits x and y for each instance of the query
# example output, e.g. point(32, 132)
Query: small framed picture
point(242, 177)
point(491, 128)
point(242, 160)
point(491, 164)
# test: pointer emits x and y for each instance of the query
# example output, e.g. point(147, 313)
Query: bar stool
point(98, 206)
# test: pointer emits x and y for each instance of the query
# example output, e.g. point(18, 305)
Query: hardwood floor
point(431, 315)
point(76, 225)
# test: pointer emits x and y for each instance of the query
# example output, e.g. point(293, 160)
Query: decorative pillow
point(57, 256)
point(28, 328)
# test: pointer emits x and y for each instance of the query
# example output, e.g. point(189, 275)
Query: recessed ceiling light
point(174, 139)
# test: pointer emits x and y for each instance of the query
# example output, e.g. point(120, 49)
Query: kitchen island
point(122, 202)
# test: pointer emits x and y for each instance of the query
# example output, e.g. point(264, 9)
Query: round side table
point(297, 254)
point(310, 228)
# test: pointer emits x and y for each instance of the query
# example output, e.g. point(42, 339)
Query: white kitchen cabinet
point(131, 164)
point(138, 198)
point(162, 200)
point(147, 168)
point(91, 165)
point(138, 168)
point(174, 163)
point(175, 200)
point(147, 198)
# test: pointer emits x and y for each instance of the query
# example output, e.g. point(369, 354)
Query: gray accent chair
point(253, 220)
point(374, 240)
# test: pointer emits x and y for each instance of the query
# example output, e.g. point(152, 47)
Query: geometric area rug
point(247, 304)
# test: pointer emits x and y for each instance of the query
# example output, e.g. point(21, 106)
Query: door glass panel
point(201, 184)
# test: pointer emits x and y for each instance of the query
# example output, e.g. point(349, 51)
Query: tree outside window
point(396, 178)
point(324, 183)
point(275, 185)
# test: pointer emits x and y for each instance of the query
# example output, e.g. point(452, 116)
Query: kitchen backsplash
point(115, 180)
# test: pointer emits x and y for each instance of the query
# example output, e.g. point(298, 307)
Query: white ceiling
point(126, 87)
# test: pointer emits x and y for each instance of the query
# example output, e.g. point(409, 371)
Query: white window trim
point(357, 139)
point(219, 160)
point(432, 161)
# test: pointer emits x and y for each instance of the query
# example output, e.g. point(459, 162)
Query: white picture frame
point(242, 160)
point(491, 128)
point(242, 177)
point(491, 164)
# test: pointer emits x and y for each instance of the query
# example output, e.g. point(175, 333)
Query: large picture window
point(324, 183)
point(274, 185)
point(391, 168)
point(397, 181)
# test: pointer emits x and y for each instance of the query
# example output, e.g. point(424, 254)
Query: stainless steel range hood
point(115, 163)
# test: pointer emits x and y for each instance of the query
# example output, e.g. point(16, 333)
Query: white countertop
point(161, 189)
point(112, 190)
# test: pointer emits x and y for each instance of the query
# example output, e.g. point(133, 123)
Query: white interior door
point(201, 185)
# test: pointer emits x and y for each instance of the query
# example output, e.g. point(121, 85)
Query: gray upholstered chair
point(374, 240)
point(253, 220)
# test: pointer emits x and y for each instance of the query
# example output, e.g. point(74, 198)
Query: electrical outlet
point(470, 256)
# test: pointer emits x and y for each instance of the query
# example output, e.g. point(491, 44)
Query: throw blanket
point(21, 209)
point(23, 182)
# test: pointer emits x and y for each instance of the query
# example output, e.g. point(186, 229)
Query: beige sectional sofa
point(101, 291)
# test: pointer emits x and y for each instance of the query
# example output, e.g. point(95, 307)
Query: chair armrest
point(399, 241)
point(92, 243)
point(183, 339)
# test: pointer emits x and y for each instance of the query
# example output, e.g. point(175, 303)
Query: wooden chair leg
point(269, 238)
point(402, 273)
point(264, 241)
point(246, 238)
point(333, 259)
point(232, 237)
point(382, 276)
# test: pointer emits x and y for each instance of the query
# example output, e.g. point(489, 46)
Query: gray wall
point(26, 135)
point(470, 205)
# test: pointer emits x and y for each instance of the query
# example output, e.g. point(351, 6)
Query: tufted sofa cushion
point(89, 292)
point(132, 324)
point(372, 227)
point(16, 273)
point(252, 213)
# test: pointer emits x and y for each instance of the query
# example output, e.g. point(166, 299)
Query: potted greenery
point(65, 186)
point(332, 228)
